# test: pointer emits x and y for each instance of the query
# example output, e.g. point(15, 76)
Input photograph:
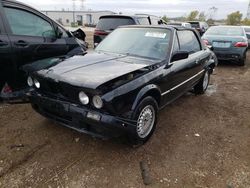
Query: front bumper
point(76, 117)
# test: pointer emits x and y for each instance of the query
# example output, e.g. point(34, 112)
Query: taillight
point(99, 32)
point(206, 42)
point(6, 89)
point(241, 44)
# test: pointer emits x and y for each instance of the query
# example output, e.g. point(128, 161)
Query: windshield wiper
point(136, 55)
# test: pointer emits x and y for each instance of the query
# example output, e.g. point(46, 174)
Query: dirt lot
point(200, 141)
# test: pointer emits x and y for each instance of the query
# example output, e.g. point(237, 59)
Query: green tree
point(246, 21)
point(234, 18)
point(210, 21)
point(165, 18)
point(202, 16)
point(193, 15)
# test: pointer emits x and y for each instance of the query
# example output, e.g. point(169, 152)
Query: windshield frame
point(168, 50)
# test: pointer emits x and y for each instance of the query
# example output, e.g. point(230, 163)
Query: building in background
point(80, 18)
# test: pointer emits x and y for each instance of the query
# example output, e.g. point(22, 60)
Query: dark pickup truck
point(27, 35)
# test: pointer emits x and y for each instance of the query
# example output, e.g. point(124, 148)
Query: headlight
point(30, 81)
point(84, 99)
point(97, 101)
point(37, 84)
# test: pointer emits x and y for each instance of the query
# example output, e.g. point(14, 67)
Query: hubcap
point(146, 121)
point(205, 81)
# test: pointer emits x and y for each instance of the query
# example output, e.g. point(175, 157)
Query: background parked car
point(108, 23)
point(182, 24)
point(201, 27)
point(247, 31)
point(229, 43)
point(27, 35)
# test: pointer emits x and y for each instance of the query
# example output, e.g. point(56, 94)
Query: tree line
point(234, 18)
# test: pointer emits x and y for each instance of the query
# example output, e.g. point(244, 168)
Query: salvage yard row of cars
point(118, 88)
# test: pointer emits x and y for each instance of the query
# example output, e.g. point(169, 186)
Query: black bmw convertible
point(120, 86)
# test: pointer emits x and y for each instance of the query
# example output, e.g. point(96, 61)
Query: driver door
point(32, 37)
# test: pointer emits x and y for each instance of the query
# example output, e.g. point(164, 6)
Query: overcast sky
point(172, 8)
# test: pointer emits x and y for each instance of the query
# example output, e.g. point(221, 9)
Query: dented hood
point(94, 69)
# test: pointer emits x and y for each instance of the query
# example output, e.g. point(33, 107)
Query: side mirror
point(180, 55)
point(210, 47)
point(59, 33)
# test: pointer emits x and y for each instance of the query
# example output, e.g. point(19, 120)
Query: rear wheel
point(146, 117)
point(243, 61)
point(202, 85)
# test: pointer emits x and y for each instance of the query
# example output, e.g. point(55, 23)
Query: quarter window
point(188, 41)
point(24, 23)
point(176, 47)
point(143, 21)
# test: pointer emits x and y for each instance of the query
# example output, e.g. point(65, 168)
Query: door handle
point(2, 43)
point(21, 43)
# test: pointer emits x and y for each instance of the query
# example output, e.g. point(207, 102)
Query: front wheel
point(202, 85)
point(146, 117)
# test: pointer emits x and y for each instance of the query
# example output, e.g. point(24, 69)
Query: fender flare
point(143, 92)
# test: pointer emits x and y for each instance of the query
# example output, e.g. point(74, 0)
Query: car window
point(195, 24)
point(188, 25)
point(150, 43)
point(1, 25)
point(154, 21)
point(25, 23)
point(143, 21)
point(177, 24)
point(225, 31)
point(188, 41)
point(176, 46)
point(111, 23)
point(64, 33)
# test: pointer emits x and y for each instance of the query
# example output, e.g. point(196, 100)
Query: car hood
point(95, 69)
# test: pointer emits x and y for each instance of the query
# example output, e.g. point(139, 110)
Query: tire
point(202, 85)
point(147, 108)
point(243, 61)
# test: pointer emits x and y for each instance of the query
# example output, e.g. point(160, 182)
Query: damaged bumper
point(80, 118)
point(236, 55)
point(16, 97)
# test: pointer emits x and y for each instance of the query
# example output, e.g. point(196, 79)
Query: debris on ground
point(147, 180)
point(197, 135)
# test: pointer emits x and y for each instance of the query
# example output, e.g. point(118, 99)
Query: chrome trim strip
point(182, 83)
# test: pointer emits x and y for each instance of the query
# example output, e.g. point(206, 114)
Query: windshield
point(111, 23)
point(225, 31)
point(144, 42)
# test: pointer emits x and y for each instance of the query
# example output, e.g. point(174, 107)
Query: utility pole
point(248, 11)
point(74, 9)
point(82, 4)
point(212, 12)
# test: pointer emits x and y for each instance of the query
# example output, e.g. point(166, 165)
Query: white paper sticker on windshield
point(156, 35)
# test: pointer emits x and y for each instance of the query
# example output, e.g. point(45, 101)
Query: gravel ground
point(200, 141)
